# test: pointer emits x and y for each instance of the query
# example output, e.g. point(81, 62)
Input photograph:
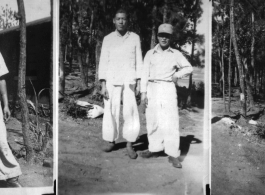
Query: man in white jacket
point(119, 72)
point(9, 167)
point(163, 65)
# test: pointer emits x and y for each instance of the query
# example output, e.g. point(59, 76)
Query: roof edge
point(32, 23)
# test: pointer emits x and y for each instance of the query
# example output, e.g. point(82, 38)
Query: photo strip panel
point(28, 142)
point(112, 140)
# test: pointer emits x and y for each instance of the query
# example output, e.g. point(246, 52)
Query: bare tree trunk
point(22, 84)
point(97, 52)
point(91, 26)
point(215, 74)
point(51, 68)
point(153, 38)
point(223, 77)
point(82, 71)
point(238, 57)
point(220, 64)
point(263, 76)
point(252, 53)
point(165, 12)
point(61, 70)
point(188, 102)
point(229, 76)
point(235, 78)
point(248, 84)
point(70, 34)
point(222, 61)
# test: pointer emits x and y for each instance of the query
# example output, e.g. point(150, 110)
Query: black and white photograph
point(132, 97)
point(140, 97)
point(238, 94)
point(26, 88)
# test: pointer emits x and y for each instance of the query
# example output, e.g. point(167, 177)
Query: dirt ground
point(238, 163)
point(85, 169)
point(33, 175)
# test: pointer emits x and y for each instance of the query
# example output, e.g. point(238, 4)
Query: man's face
point(120, 21)
point(164, 39)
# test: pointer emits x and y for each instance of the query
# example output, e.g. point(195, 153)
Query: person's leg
point(131, 127)
point(155, 136)
point(9, 167)
point(170, 124)
point(110, 124)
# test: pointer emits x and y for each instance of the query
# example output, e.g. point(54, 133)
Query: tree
point(7, 18)
point(51, 68)
point(21, 82)
point(83, 24)
point(238, 57)
point(196, 12)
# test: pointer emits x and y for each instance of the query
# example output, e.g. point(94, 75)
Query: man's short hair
point(121, 10)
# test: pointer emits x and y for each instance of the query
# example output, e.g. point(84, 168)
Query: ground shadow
point(82, 93)
point(185, 143)
point(15, 131)
point(141, 144)
point(216, 119)
point(2, 184)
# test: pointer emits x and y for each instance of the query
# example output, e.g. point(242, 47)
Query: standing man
point(162, 67)
point(119, 72)
point(9, 167)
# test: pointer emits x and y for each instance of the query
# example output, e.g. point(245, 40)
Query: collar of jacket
point(169, 49)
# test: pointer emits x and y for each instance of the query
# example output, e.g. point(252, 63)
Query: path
point(84, 169)
point(33, 175)
point(238, 166)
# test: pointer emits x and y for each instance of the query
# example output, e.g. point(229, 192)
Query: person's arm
point(139, 65)
point(184, 68)
point(144, 79)
point(102, 69)
point(3, 93)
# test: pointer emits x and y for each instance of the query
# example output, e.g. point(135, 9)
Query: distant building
point(38, 55)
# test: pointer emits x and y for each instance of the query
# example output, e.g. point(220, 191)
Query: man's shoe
point(148, 154)
point(132, 154)
point(13, 183)
point(175, 162)
point(108, 146)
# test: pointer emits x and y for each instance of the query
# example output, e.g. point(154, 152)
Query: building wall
point(38, 58)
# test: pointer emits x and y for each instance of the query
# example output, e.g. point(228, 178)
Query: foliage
point(83, 24)
point(7, 18)
point(249, 29)
point(261, 130)
point(73, 110)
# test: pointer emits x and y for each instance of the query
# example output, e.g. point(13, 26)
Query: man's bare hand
point(137, 87)
point(175, 79)
point(7, 113)
point(104, 92)
point(137, 90)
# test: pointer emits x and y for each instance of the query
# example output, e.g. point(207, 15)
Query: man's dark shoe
point(13, 183)
point(132, 154)
point(148, 154)
point(175, 162)
point(108, 146)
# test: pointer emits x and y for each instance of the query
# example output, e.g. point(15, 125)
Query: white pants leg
point(162, 118)
point(9, 167)
point(110, 126)
point(131, 126)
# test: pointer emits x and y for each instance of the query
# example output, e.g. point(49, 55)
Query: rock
point(47, 163)
point(252, 122)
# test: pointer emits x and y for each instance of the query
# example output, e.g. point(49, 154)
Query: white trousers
point(111, 122)
point(9, 167)
point(162, 118)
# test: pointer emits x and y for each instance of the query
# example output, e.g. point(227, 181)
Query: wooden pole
point(21, 82)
